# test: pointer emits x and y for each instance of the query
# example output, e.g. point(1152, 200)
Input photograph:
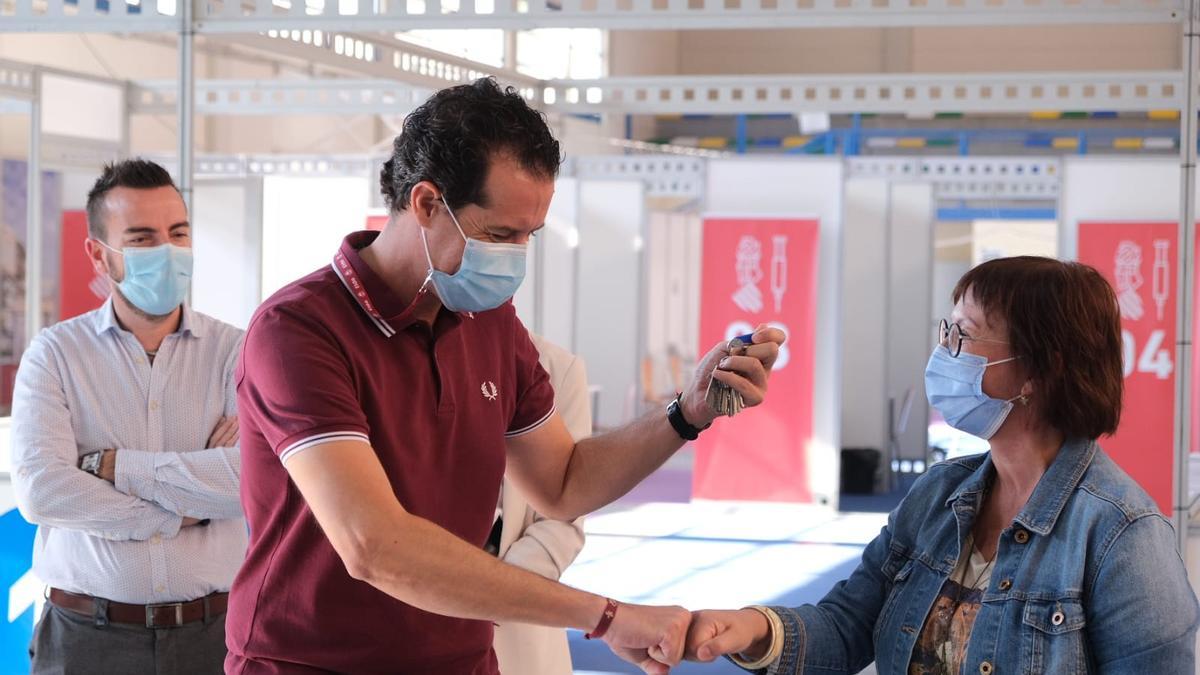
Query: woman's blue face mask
point(954, 387)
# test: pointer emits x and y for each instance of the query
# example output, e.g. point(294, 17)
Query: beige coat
point(540, 545)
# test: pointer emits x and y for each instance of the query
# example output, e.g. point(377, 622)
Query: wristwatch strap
point(675, 416)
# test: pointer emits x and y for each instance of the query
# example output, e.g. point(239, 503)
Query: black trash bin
point(859, 466)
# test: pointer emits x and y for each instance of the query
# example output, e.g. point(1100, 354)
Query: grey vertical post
point(1186, 272)
point(187, 101)
point(33, 216)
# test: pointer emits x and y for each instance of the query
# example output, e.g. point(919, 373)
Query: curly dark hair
point(1065, 325)
point(450, 139)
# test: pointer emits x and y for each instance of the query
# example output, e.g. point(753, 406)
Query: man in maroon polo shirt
point(380, 399)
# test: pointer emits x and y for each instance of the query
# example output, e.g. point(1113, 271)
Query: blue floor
point(655, 546)
point(718, 555)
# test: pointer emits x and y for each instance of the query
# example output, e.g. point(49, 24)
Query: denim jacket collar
point(1046, 503)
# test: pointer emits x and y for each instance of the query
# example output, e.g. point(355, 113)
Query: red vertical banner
point(376, 223)
point(760, 271)
point(80, 289)
point(1139, 260)
point(8, 380)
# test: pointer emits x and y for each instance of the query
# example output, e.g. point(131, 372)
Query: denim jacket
point(1086, 580)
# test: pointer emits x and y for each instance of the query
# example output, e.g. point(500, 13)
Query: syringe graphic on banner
point(749, 272)
point(1127, 272)
point(1161, 288)
point(779, 270)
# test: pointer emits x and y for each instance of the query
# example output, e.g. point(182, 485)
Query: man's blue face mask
point(488, 277)
point(156, 278)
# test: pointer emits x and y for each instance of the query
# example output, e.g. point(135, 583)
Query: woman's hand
point(715, 633)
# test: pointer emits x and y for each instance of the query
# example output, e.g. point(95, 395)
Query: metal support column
point(510, 50)
point(1186, 273)
point(187, 101)
point(33, 217)
point(127, 123)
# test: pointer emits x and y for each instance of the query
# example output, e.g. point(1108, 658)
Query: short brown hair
point(1065, 325)
point(140, 174)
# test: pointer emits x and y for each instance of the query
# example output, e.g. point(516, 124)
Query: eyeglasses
point(951, 336)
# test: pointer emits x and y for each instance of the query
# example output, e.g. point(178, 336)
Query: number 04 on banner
point(1153, 359)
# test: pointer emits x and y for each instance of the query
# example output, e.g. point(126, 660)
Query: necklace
point(969, 547)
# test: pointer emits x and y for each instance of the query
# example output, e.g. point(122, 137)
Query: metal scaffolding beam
point(87, 16)
point(17, 81)
point(993, 178)
point(282, 97)
point(900, 93)
point(678, 14)
point(243, 16)
point(371, 56)
point(663, 175)
point(893, 93)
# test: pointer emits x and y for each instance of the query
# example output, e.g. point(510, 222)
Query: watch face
point(91, 462)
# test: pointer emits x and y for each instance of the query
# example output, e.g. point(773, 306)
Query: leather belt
point(163, 615)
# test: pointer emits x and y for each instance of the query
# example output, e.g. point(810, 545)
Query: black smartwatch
point(675, 416)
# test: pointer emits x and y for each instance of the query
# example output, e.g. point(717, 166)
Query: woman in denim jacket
point(1040, 556)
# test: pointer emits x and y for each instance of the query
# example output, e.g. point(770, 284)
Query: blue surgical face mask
point(954, 386)
point(489, 276)
point(156, 278)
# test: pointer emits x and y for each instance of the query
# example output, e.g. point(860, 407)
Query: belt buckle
point(152, 609)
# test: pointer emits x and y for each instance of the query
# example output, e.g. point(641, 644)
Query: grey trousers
point(67, 643)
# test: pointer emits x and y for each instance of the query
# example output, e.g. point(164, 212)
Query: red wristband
point(610, 611)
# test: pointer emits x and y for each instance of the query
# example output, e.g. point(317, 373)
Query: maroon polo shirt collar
point(375, 298)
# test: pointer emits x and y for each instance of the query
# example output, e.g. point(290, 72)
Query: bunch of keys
point(722, 398)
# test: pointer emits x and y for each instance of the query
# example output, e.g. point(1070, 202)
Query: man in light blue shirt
point(125, 455)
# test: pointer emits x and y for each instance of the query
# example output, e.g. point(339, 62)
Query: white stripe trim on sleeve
point(313, 441)
point(532, 427)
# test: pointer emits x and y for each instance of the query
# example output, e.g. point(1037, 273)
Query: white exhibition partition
point(674, 249)
point(810, 187)
point(558, 266)
point(908, 298)
point(864, 420)
point(608, 328)
point(1115, 189)
point(304, 222)
point(545, 301)
point(228, 240)
point(64, 97)
point(525, 299)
